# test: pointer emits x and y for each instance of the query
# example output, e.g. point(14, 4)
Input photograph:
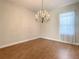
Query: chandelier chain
point(42, 4)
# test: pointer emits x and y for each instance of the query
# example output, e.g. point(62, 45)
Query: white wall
point(16, 24)
point(77, 23)
point(51, 29)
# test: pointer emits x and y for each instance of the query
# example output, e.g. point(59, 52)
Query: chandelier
point(42, 15)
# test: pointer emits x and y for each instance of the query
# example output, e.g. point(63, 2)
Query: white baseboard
point(60, 41)
point(14, 43)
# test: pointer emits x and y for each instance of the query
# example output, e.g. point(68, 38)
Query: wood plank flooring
point(40, 49)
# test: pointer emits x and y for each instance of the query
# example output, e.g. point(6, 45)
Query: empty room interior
point(39, 29)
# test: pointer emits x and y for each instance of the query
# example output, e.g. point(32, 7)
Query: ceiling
point(48, 4)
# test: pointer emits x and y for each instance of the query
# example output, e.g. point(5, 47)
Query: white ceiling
point(36, 4)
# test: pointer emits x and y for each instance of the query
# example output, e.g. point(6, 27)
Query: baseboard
point(60, 41)
point(14, 43)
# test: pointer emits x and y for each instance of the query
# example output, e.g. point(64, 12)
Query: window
point(67, 22)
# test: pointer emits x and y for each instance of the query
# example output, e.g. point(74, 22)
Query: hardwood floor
point(40, 49)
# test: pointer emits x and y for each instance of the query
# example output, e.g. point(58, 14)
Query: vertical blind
point(67, 23)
